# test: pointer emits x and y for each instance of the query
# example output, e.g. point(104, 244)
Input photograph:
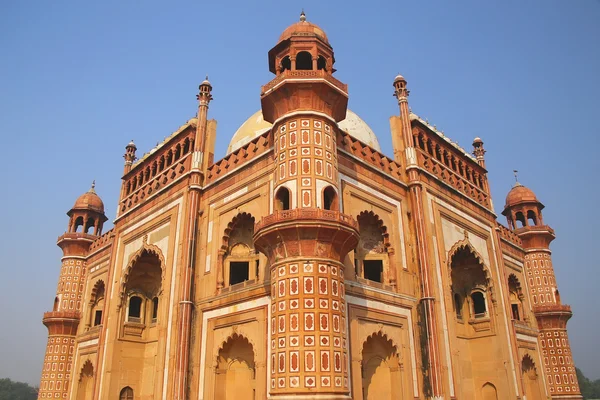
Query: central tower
point(305, 237)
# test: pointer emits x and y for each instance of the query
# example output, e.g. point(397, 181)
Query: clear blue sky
point(79, 79)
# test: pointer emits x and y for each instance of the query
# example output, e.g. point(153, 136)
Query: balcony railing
point(304, 74)
point(299, 214)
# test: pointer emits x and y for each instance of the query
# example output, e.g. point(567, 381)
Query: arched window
point(520, 220)
point(154, 309)
point(126, 393)
point(371, 253)
point(143, 284)
point(321, 63)
point(241, 260)
point(304, 61)
point(282, 199)
point(286, 63)
point(78, 225)
point(470, 280)
point(479, 306)
point(515, 295)
point(97, 303)
point(56, 304)
point(330, 200)
point(89, 227)
point(531, 218)
point(134, 313)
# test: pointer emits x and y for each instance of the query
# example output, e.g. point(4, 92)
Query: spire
point(302, 16)
point(93, 188)
point(516, 173)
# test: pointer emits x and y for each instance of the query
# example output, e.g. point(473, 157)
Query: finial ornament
point(302, 16)
point(516, 173)
point(93, 188)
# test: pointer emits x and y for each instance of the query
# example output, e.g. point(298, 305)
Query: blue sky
point(78, 80)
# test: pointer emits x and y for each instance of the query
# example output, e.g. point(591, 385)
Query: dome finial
point(302, 16)
point(93, 188)
point(516, 173)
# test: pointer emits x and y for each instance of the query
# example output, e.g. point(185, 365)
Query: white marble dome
point(255, 126)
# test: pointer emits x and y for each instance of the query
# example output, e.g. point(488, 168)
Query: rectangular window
point(373, 270)
point(515, 312)
point(238, 272)
point(98, 318)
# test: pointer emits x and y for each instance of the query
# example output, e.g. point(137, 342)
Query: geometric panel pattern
point(309, 315)
point(305, 148)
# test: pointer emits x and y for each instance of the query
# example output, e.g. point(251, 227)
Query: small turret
point(129, 156)
point(87, 214)
point(479, 151)
point(522, 207)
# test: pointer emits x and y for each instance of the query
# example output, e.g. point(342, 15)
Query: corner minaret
point(524, 214)
point(306, 237)
point(85, 225)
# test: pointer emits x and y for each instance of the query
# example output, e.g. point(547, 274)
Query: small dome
point(520, 194)
point(399, 78)
point(303, 28)
point(206, 82)
point(255, 126)
point(89, 201)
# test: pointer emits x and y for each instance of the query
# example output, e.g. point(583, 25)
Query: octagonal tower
point(86, 219)
point(306, 237)
point(523, 211)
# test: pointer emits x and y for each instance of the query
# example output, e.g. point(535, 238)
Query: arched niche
point(531, 381)
point(86, 381)
point(371, 257)
point(380, 363)
point(240, 261)
point(235, 373)
point(470, 279)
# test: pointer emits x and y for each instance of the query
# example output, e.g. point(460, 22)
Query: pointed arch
point(489, 391)
point(513, 282)
point(85, 381)
point(380, 370)
point(135, 257)
point(531, 384)
point(87, 369)
point(382, 335)
point(238, 220)
point(234, 336)
point(98, 289)
point(236, 368)
point(466, 246)
point(370, 216)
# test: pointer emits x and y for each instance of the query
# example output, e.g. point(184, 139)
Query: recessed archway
point(235, 372)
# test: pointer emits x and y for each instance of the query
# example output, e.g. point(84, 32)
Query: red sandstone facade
point(307, 264)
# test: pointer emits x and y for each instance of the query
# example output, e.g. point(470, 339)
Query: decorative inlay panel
point(308, 340)
point(305, 148)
